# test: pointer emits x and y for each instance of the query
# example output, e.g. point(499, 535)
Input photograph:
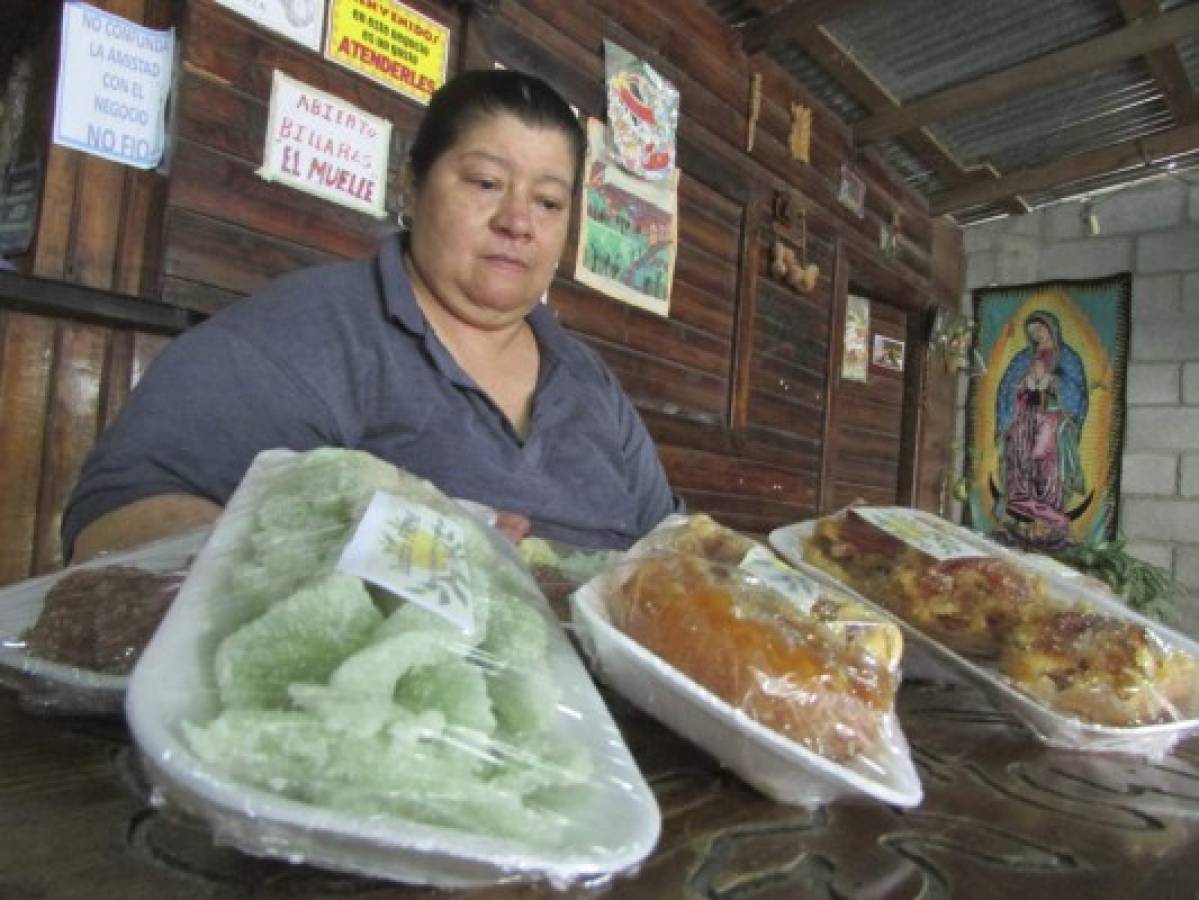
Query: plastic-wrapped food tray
point(1050, 726)
point(779, 767)
point(613, 819)
point(51, 686)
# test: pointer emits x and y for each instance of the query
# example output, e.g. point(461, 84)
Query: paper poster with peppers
point(643, 112)
point(628, 230)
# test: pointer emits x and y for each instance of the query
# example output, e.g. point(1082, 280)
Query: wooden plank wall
point(738, 385)
point(61, 382)
point(864, 455)
point(939, 388)
point(100, 220)
point(226, 231)
point(743, 436)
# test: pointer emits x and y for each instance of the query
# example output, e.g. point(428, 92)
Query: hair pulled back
point(472, 96)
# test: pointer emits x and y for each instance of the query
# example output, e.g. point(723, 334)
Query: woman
point(435, 355)
point(1040, 410)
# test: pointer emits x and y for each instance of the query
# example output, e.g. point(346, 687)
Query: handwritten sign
point(417, 554)
point(300, 20)
point(322, 145)
point(389, 43)
point(113, 81)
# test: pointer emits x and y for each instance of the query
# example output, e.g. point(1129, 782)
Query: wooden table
point(1003, 818)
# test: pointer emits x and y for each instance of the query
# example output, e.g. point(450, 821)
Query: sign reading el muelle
point(320, 144)
point(390, 43)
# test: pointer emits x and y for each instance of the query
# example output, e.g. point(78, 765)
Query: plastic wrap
point(451, 737)
point(788, 682)
point(1076, 665)
point(69, 640)
point(560, 568)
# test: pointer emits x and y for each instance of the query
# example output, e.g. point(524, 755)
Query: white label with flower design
point(415, 553)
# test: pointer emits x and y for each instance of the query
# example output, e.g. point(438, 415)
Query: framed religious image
point(851, 192)
point(1045, 414)
point(887, 353)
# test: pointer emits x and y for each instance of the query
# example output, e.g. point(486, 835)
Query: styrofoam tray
point(56, 686)
point(617, 823)
point(774, 764)
point(1051, 727)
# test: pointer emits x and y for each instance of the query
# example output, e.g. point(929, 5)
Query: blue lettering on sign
point(104, 138)
point(135, 147)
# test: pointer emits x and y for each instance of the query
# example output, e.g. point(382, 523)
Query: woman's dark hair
point(471, 96)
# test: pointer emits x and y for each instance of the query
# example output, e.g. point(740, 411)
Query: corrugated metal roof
point(1086, 111)
point(917, 48)
point(813, 77)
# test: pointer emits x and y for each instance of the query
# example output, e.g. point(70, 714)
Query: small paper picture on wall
point(851, 192)
point(887, 353)
point(855, 342)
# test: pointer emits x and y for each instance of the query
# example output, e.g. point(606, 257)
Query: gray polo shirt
point(342, 356)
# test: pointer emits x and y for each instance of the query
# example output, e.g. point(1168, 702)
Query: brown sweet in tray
point(970, 605)
point(1103, 669)
point(753, 649)
point(101, 619)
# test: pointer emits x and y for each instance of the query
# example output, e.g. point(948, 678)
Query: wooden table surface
point(1003, 818)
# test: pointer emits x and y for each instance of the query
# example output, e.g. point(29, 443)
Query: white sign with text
point(113, 80)
point(320, 144)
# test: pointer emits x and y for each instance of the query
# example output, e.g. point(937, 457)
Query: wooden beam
point(832, 376)
point(1136, 39)
point(770, 30)
point(841, 66)
point(1166, 66)
point(61, 299)
point(1162, 145)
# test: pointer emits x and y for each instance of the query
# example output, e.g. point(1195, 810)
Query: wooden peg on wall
point(801, 133)
point(755, 109)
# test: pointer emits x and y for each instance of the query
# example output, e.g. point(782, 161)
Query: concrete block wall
point(1152, 230)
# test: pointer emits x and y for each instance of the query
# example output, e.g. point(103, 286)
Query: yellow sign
point(389, 43)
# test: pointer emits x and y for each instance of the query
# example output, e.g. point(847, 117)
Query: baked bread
point(754, 649)
point(970, 605)
point(1100, 668)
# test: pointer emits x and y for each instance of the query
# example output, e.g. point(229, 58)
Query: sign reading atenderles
point(321, 144)
point(113, 81)
point(390, 43)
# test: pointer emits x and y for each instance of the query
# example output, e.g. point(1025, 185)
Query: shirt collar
point(398, 299)
point(402, 308)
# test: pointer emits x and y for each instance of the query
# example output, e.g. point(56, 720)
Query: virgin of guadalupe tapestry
point(1045, 420)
